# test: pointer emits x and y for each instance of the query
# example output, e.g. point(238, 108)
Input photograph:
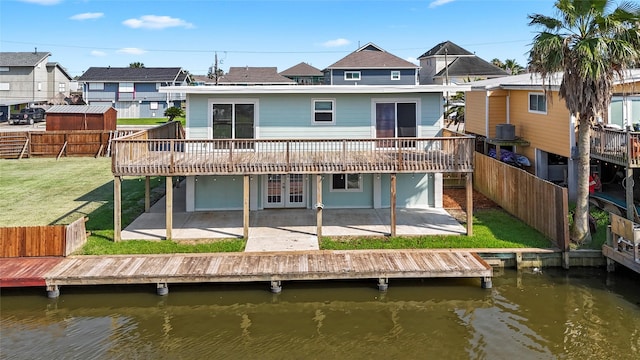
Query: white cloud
point(437, 3)
point(98, 53)
point(131, 51)
point(336, 43)
point(87, 16)
point(156, 22)
point(42, 2)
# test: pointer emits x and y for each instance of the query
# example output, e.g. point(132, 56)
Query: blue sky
point(187, 33)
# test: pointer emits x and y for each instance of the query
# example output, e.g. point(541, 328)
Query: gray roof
point(446, 47)
point(79, 109)
point(116, 74)
point(472, 66)
point(371, 56)
point(254, 75)
point(30, 59)
point(535, 81)
point(62, 69)
point(302, 69)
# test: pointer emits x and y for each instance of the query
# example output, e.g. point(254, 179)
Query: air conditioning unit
point(505, 132)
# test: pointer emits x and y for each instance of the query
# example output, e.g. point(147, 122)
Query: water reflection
point(576, 315)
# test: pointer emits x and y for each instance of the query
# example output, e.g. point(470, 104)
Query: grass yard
point(149, 121)
point(44, 191)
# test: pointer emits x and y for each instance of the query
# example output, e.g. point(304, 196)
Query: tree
point(590, 42)
point(173, 112)
point(497, 62)
point(512, 66)
point(136, 65)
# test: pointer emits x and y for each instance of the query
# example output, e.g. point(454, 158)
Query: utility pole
point(215, 68)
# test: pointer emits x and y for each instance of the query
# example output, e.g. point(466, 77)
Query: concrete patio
point(286, 229)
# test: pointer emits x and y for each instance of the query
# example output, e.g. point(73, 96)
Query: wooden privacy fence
point(539, 203)
point(59, 143)
point(49, 240)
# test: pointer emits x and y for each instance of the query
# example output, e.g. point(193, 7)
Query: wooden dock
point(271, 267)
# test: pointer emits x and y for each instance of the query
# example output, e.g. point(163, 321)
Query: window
point(346, 182)
point(96, 86)
point(39, 86)
point(233, 120)
point(396, 119)
point(538, 103)
point(323, 111)
point(5, 86)
point(395, 75)
point(125, 87)
point(4, 68)
point(62, 87)
point(153, 105)
point(352, 75)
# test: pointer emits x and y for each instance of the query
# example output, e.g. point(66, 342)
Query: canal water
point(580, 314)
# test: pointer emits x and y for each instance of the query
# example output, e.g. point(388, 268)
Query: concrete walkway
point(286, 229)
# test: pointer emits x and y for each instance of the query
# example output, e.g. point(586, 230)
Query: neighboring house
point(545, 131)
point(304, 74)
point(248, 76)
point(450, 63)
point(371, 65)
point(133, 92)
point(27, 79)
point(202, 80)
point(289, 146)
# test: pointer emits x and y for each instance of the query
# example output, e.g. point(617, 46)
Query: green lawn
point(44, 191)
point(149, 121)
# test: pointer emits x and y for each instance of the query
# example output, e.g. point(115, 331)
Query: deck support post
point(383, 284)
point(162, 289)
point(53, 291)
point(117, 208)
point(518, 260)
point(393, 204)
point(169, 206)
point(628, 183)
point(469, 190)
point(319, 206)
point(245, 207)
point(486, 282)
point(276, 287)
point(147, 194)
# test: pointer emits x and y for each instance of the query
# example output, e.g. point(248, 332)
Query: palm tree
point(497, 62)
point(590, 42)
point(136, 65)
point(512, 66)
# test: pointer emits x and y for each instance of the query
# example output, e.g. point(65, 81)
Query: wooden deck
point(163, 151)
point(612, 146)
point(272, 267)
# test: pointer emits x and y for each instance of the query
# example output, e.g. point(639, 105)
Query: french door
point(395, 119)
point(285, 191)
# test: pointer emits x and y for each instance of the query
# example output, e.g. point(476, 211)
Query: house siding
point(547, 132)
point(374, 77)
point(497, 111)
point(412, 191)
point(218, 193)
point(475, 112)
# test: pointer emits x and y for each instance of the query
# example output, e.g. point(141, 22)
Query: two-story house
point(371, 65)
point(133, 92)
point(255, 148)
point(27, 79)
point(545, 132)
point(452, 64)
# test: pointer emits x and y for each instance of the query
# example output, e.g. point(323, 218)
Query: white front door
point(285, 191)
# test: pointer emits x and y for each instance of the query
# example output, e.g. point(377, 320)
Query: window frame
point(233, 102)
point(537, 95)
point(346, 183)
point(153, 105)
point(315, 111)
point(124, 87)
point(395, 75)
point(96, 86)
point(352, 78)
point(62, 87)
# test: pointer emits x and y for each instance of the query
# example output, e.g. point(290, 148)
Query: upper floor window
point(62, 87)
point(5, 86)
point(126, 87)
point(395, 75)
point(352, 75)
point(324, 111)
point(538, 103)
point(233, 120)
point(96, 86)
point(4, 68)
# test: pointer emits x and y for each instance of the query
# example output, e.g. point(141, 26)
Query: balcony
point(163, 151)
point(612, 146)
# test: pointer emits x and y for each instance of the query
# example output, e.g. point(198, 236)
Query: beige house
point(544, 129)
